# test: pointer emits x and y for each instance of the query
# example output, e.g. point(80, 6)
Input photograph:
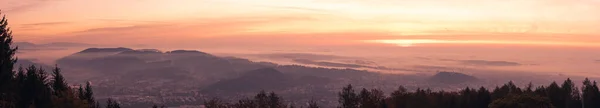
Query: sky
point(572, 23)
point(548, 36)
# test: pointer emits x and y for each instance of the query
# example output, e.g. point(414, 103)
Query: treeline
point(566, 95)
point(34, 87)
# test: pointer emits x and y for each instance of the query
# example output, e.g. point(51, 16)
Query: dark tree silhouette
point(522, 101)
point(212, 103)
point(31, 87)
point(275, 101)
point(591, 95)
point(313, 104)
point(7, 61)
point(348, 98)
point(371, 99)
point(58, 83)
point(35, 91)
point(110, 103)
point(89, 95)
point(571, 95)
point(245, 103)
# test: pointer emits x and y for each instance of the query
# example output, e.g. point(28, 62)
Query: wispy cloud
point(11, 6)
point(126, 20)
point(39, 26)
point(46, 24)
point(119, 29)
point(294, 8)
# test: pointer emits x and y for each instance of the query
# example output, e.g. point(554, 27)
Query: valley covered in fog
point(146, 75)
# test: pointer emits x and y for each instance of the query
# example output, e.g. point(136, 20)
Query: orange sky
point(402, 22)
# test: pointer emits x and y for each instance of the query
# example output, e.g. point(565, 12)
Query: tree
point(7, 52)
point(483, 97)
point(64, 97)
point(556, 95)
point(32, 87)
point(591, 95)
point(275, 101)
point(270, 100)
point(571, 95)
point(89, 95)
point(110, 103)
point(81, 93)
point(7, 61)
point(58, 83)
point(245, 103)
point(35, 90)
point(213, 103)
point(312, 104)
point(529, 88)
point(261, 99)
point(522, 101)
point(348, 98)
point(399, 97)
point(370, 99)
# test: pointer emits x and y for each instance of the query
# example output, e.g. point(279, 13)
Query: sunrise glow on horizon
point(409, 43)
point(535, 22)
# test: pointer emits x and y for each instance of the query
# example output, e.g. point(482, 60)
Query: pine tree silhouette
point(58, 83)
point(348, 98)
point(89, 95)
point(7, 61)
point(110, 103)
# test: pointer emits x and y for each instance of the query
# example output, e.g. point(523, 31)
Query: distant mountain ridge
point(118, 60)
point(103, 50)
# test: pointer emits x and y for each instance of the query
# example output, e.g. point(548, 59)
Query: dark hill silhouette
point(157, 71)
point(451, 78)
point(104, 60)
point(187, 52)
point(105, 50)
point(144, 54)
point(142, 51)
point(115, 64)
point(121, 60)
point(81, 58)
